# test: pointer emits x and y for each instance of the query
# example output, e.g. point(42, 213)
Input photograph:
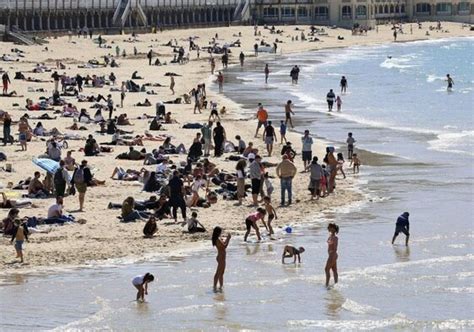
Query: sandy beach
point(103, 236)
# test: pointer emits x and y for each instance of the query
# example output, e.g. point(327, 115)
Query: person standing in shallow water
point(331, 263)
point(402, 226)
point(267, 73)
point(221, 246)
point(450, 82)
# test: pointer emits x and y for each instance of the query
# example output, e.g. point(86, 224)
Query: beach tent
point(48, 165)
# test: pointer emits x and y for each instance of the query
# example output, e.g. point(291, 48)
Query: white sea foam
point(461, 142)
point(398, 321)
point(189, 308)
point(433, 77)
point(407, 61)
point(358, 308)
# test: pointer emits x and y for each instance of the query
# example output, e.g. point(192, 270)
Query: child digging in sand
point(141, 284)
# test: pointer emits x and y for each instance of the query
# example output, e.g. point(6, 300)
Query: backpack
point(59, 178)
point(79, 176)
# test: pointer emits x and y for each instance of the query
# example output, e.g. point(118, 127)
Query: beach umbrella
point(48, 165)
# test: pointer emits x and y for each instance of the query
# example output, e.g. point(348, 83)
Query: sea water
point(416, 145)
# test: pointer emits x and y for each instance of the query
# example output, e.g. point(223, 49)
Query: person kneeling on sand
point(150, 228)
point(194, 226)
point(290, 251)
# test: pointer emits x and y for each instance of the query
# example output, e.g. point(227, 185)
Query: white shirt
point(161, 168)
point(138, 280)
point(55, 210)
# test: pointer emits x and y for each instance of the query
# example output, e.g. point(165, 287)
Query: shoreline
point(127, 249)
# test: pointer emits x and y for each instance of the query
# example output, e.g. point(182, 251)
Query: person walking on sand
point(402, 226)
point(80, 179)
point(255, 173)
point(6, 81)
point(269, 137)
point(262, 117)
point(450, 82)
point(123, 90)
point(7, 123)
point(394, 34)
point(242, 58)
point(286, 171)
point(172, 83)
point(282, 132)
point(330, 98)
point(267, 73)
point(221, 246)
point(110, 106)
point(316, 174)
point(290, 251)
point(213, 65)
point(56, 78)
point(20, 234)
point(150, 57)
point(307, 149)
point(141, 282)
point(331, 263)
point(343, 84)
point(176, 195)
point(220, 80)
point(288, 113)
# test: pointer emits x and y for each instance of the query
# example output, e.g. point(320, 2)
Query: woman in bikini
point(221, 246)
point(331, 263)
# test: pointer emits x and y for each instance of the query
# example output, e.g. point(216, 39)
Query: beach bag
point(79, 176)
point(59, 178)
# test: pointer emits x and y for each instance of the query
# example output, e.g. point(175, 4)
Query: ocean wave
point(398, 321)
point(461, 142)
point(358, 308)
point(399, 63)
point(432, 77)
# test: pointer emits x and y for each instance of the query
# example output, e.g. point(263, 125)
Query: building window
point(361, 11)
point(347, 12)
point(321, 13)
point(443, 8)
point(423, 8)
point(270, 12)
point(302, 12)
point(392, 9)
point(402, 10)
point(385, 9)
point(287, 12)
point(464, 7)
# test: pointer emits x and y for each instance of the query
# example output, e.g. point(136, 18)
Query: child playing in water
point(331, 263)
point(338, 103)
point(271, 213)
point(350, 145)
point(290, 251)
point(141, 284)
point(221, 246)
point(340, 164)
point(251, 222)
point(355, 162)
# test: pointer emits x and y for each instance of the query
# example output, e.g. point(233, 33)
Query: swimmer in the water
point(290, 251)
point(141, 284)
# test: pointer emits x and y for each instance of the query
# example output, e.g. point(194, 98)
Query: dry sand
point(103, 236)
